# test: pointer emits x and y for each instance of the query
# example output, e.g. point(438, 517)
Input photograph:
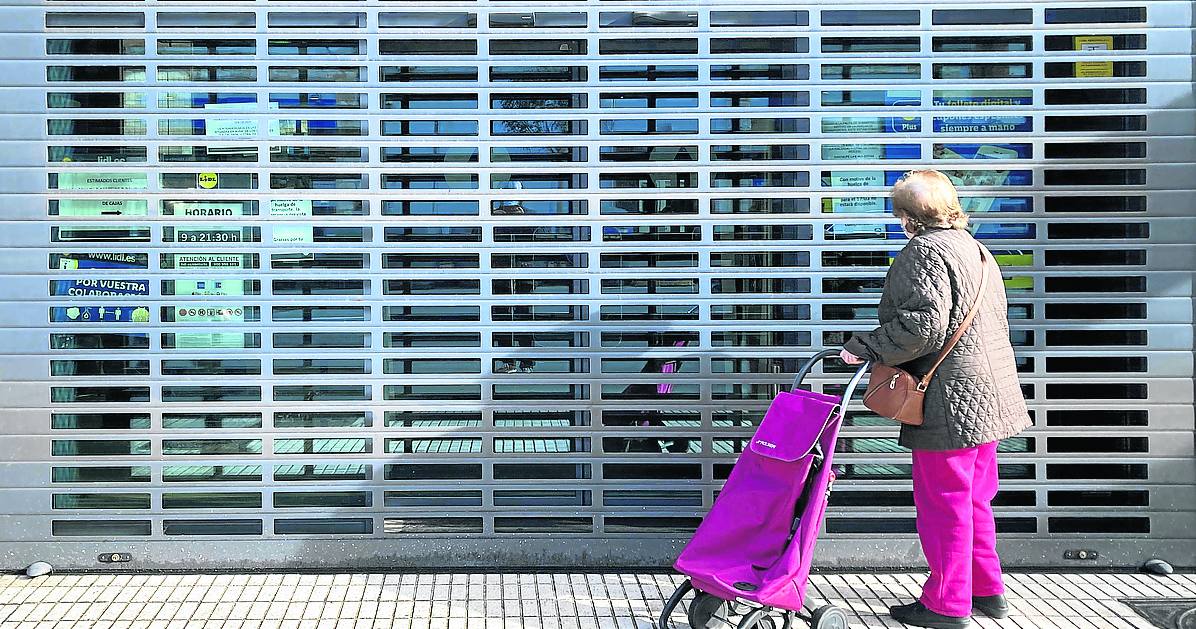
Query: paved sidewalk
point(510, 601)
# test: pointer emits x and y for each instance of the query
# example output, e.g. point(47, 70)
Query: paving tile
point(266, 592)
point(314, 610)
point(303, 592)
point(204, 611)
point(130, 612)
point(76, 610)
point(188, 611)
point(1131, 586)
point(112, 611)
point(294, 610)
point(276, 610)
point(151, 611)
point(369, 592)
point(240, 609)
point(387, 609)
point(195, 594)
point(531, 601)
point(222, 610)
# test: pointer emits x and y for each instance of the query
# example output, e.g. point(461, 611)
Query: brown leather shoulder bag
point(896, 393)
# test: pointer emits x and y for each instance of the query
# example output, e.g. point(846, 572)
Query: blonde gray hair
point(927, 198)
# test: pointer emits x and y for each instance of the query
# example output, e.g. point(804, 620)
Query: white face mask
point(908, 227)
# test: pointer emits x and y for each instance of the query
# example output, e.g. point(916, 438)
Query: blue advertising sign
point(902, 125)
point(200, 100)
point(903, 98)
point(983, 124)
point(99, 287)
point(99, 260)
point(871, 98)
point(1006, 231)
point(982, 98)
point(983, 151)
point(997, 204)
point(990, 177)
point(99, 314)
point(858, 151)
point(872, 124)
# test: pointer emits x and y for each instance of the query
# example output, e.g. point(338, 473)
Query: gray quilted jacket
point(974, 397)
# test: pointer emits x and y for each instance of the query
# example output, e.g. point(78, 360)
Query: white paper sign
point(209, 314)
point(857, 204)
point(290, 207)
point(293, 233)
point(236, 128)
point(204, 340)
point(231, 106)
point(857, 178)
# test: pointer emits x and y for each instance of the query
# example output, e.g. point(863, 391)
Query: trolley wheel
point(702, 610)
point(828, 617)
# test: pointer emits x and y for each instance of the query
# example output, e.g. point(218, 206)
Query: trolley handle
point(827, 353)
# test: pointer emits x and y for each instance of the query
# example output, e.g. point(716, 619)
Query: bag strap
point(963, 326)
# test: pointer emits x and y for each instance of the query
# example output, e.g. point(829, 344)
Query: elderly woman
point(973, 401)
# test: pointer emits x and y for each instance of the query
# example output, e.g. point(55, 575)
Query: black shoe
point(992, 606)
point(916, 615)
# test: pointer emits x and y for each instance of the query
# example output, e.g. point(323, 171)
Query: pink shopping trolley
point(749, 560)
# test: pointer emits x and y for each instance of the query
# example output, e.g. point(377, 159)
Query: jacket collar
point(931, 230)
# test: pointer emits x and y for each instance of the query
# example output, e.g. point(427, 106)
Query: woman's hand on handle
point(850, 359)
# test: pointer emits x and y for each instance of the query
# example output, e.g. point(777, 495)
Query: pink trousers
point(953, 491)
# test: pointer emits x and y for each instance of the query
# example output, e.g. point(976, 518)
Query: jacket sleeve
point(919, 288)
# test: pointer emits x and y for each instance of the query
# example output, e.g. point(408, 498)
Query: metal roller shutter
point(486, 284)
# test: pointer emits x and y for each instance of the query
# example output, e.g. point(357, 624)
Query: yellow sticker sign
point(1093, 42)
point(1093, 69)
point(208, 181)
